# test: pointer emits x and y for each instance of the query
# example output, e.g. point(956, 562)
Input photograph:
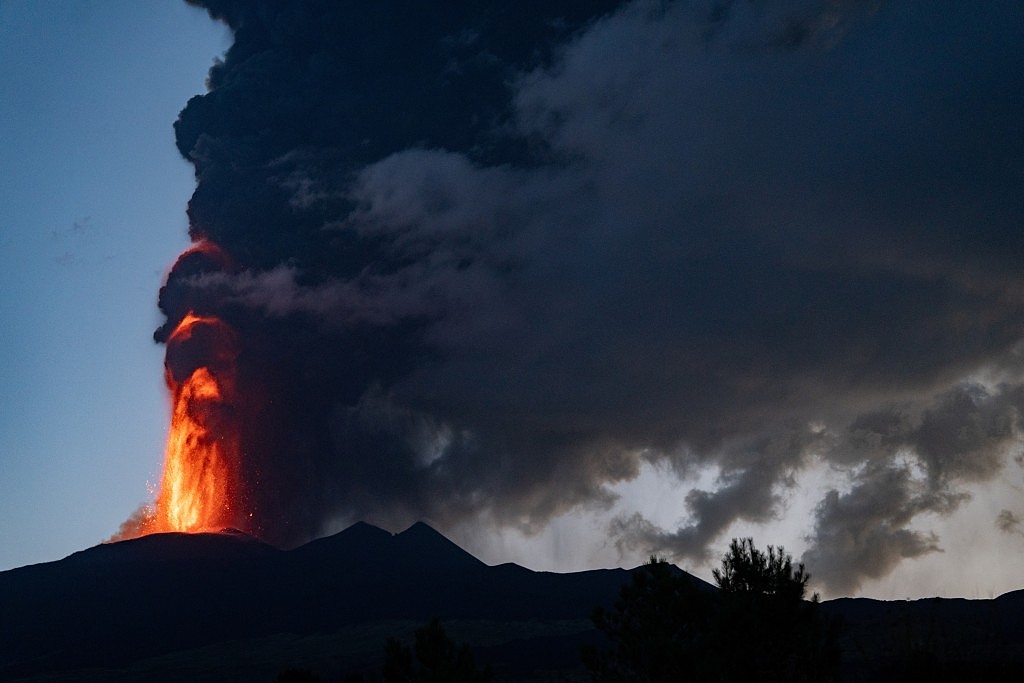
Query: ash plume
point(486, 261)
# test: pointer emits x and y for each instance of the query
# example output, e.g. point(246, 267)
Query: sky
point(574, 284)
point(92, 214)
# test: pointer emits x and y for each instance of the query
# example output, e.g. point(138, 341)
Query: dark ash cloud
point(487, 263)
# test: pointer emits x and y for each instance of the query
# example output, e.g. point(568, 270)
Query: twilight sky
point(92, 213)
point(575, 284)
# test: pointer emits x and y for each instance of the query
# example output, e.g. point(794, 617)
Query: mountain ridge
point(113, 606)
point(161, 593)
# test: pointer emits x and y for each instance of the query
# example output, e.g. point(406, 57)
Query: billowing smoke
point(487, 260)
point(1010, 523)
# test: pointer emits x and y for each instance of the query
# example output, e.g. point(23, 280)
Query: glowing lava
point(201, 484)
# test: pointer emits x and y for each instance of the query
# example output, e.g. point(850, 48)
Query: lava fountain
point(201, 484)
point(202, 487)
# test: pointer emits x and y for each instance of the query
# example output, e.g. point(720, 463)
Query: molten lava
point(201, 485)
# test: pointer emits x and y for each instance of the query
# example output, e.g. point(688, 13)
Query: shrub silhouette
point(755, 627)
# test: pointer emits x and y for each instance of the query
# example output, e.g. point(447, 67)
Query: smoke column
point(275, 419)
point(485, 263)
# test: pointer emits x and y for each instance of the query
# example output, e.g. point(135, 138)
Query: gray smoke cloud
point(1009, 522)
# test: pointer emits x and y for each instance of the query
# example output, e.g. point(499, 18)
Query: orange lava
point(210, 251)
point(200, 487)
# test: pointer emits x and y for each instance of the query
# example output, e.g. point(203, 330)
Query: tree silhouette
point(755, 627)
point(434, 658)
point(747, 570)
point(657, 628)
point(767, 631)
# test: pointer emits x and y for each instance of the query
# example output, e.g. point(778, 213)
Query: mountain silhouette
point(121, 602)
point(174, 606)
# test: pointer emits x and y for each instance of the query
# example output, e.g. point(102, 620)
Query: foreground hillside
point(198, 600)
point(226, 607)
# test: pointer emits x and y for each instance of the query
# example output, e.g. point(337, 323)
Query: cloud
point(1009, 522)
point(909, 460)
point(491, 272)
point(864, 533)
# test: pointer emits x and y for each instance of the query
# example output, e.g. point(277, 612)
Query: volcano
point(103, 610)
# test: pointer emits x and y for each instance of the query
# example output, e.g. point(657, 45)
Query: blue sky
point(92, 213)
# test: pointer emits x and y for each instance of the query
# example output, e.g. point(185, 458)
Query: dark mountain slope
point(191, 605)
point(953, 635)
point(122, 602)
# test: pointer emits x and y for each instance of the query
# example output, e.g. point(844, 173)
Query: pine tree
point(755, 627)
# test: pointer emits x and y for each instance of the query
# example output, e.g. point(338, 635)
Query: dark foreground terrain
point(227, 607)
